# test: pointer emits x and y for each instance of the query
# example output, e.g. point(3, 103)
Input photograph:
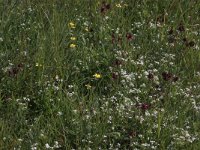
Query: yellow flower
point(118, 5)
point(88, 86)
point(73, 38)
point(38, 65)
point(97, 75)
point(72, 25)
point(72, 45)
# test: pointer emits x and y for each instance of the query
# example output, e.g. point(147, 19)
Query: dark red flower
point(175, 78)
point(150, 76)
point(144, 106)
point(167, 76)
point(129, 36)
point(190, 44)
point(104, 7)
point(160, 19)
point(181, 28)
point(170, 32)
point(15, 70)
point(117, 62)
point(115, 75)
point(107, 6)
point(113, 38)
point(132, 134)
point(185, 39)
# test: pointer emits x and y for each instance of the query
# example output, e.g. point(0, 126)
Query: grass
point(145, 94)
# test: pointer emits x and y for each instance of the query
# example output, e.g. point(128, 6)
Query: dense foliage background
point(92, 74)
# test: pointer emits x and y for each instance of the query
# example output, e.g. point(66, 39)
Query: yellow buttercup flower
point(73, 38)
point(72, 25)
point(97, 75)
point(72, 45)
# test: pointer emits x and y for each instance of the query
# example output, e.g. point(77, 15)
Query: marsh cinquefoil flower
point(105, 7)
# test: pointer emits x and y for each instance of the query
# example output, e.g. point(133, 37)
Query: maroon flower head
point(167, 76)
point(115, 76)
point(185, 40)
point(181, 28)
point(144, 106)
point(117, 62)
point(150, 76)
point(113, 38)
point(129, 36)
point(107, 6)
point(104, 7)
point(170, 32)
point(175, 78)
point(190, 44)
point(132, 134)
point(12, 72)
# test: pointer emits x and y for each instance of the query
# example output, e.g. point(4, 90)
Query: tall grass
point(90, 74)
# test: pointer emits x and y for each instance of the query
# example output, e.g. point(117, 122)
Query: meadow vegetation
point(92, 74)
